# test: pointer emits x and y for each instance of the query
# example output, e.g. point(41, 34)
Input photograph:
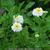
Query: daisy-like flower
point(36, 35)
point(38, 12)
point(16, 27)
point(18, 19)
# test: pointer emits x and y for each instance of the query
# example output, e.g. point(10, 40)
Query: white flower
point(16, 27)
point(36, 35)
point(38, 12)
point(18, 19)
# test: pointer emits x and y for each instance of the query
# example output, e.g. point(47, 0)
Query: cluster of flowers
point(18, 20)
point(17, 23)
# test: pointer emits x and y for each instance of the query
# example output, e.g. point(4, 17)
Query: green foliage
point(7, 3)
point(31, 26)
point(45, 1)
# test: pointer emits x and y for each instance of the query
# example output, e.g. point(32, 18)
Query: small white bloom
point(18, 19)
point(38, 12)
point(16, 27)
point(36, 35)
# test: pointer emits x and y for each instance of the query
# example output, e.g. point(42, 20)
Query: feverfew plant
point(24, 26)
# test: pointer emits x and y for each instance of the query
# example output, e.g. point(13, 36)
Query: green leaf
point(20, 5)
point(29, 13)
point(29, 5)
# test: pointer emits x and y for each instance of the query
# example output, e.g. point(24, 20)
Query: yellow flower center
point(38, 10)
point(17, 25)
point(17, 17)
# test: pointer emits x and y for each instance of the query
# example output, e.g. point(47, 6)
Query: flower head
point(38, 12)
point(16, 27)
point(36, 35)
point(18, 19)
